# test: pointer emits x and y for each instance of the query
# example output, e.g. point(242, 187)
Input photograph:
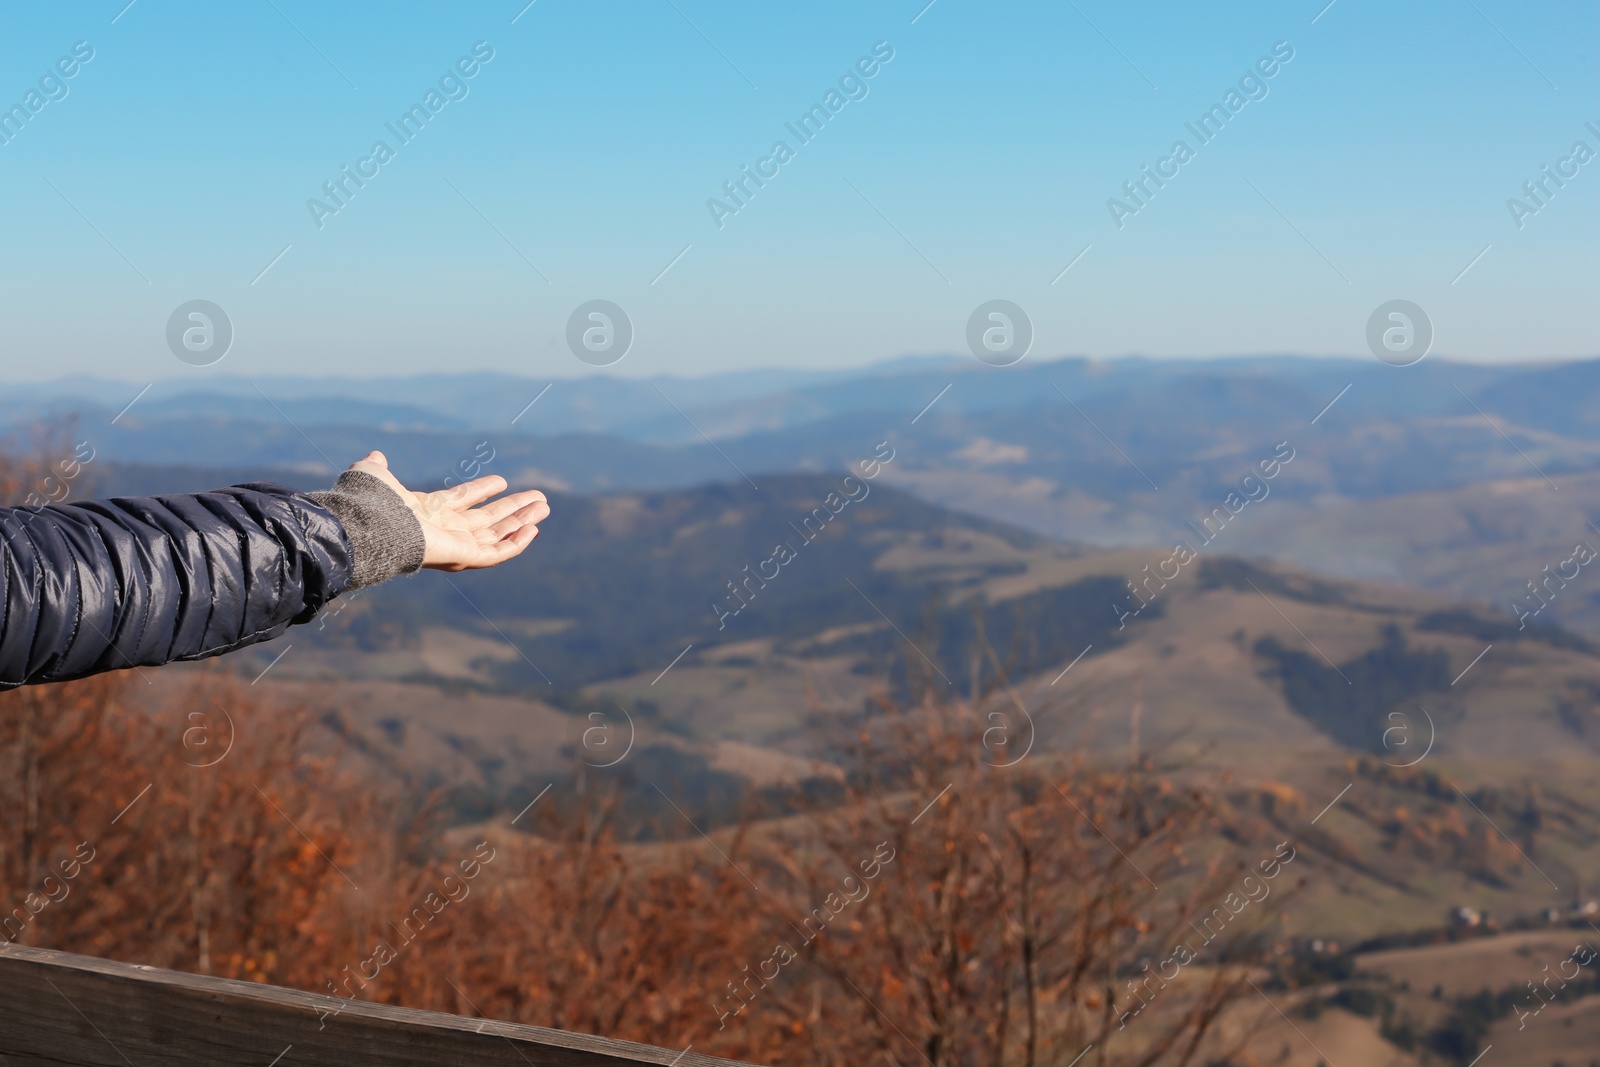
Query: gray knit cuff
point(383, 531)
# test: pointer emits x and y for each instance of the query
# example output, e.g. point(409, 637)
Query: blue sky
point(977, 166)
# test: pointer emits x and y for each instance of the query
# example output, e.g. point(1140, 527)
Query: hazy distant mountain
point(1109, 453)
point(677, 410)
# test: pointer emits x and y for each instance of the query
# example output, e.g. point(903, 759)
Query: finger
point(510, 547)
point(531, 515)
point(481, 518)
point(495, 511)
point(470, 494)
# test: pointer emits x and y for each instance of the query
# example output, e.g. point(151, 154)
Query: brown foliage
point(193, 864)
point(1000, 920)
point(1008, 926)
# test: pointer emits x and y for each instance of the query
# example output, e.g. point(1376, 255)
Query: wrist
point(386, 537)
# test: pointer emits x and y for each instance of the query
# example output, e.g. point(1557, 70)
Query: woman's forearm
point(111, 584)
point(137, 582)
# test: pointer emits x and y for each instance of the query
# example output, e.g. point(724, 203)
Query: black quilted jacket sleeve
point(110, 584)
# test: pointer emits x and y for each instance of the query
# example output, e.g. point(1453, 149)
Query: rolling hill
point(1461, 755)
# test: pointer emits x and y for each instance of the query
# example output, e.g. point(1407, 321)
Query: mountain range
point(1403, 474)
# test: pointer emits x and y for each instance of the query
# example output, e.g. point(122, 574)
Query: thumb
point(377, 465)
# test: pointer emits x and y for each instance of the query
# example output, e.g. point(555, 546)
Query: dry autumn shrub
point(578, 931)
point(208, 835)
point(959, 912)
point(1004, 922)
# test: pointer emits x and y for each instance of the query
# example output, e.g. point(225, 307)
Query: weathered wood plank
point(58, 1008)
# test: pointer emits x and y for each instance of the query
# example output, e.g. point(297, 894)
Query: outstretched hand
point(460, 534)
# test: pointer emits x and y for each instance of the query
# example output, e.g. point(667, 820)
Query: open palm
point(459, 533)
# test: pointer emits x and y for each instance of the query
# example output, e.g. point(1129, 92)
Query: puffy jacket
point(136, 582)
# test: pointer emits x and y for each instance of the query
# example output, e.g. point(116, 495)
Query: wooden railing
point(58, 1009)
